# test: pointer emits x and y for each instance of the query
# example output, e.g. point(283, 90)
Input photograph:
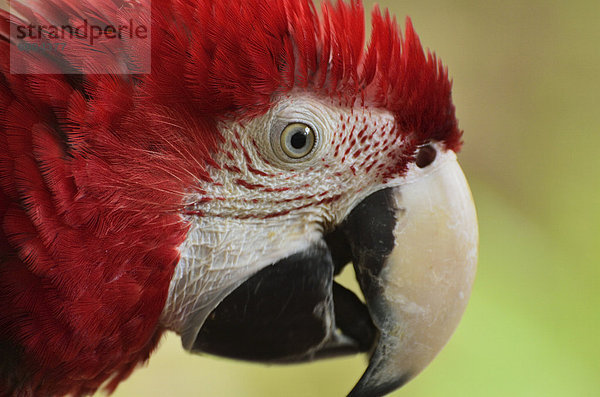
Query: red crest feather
point(94, 168)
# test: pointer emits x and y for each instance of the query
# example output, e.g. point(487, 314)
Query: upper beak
point(413, 245)
point(417, 291)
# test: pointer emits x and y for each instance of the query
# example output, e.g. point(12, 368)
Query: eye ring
point(297, 140)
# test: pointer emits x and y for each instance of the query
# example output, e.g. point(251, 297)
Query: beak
point(417, 291)
point(413, 245)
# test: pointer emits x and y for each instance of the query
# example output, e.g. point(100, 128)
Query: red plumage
point(94, 169)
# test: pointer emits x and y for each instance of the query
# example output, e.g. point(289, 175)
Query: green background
point(527, 92)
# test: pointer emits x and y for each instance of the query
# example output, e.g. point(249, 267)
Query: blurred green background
point(527, 92)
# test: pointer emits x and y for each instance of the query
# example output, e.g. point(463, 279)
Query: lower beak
point(417, 291)
point(413, 245)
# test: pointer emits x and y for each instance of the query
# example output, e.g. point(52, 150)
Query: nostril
point(425, 156)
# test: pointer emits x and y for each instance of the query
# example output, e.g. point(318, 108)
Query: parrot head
point(220, 195)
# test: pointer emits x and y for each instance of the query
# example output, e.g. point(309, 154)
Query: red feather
point(94, 168)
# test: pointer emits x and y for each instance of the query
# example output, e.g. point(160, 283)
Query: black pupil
point(298, 140)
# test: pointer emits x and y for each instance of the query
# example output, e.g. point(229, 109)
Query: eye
point(297, 140)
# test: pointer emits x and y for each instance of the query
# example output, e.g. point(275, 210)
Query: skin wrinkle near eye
point(245, 180)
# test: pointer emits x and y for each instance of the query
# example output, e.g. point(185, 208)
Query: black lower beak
point(291, 311)
point(294, 311)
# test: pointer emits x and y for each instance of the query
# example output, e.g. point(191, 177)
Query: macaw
point(218, 194)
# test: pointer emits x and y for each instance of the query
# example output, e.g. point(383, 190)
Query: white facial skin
point(262, 206)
